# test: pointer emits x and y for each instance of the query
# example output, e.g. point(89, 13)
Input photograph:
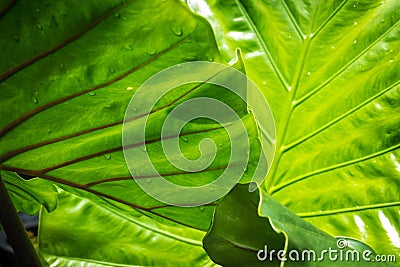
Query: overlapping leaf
point(240, 237)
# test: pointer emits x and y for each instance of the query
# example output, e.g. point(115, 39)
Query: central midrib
point(289, 109)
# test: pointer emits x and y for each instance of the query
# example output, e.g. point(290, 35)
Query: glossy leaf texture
point(94, 235)
point(330, 71)
point(67, 75)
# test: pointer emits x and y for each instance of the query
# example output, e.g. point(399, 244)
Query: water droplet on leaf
point(177, 31)
point(143, 148)
point(16, 38)
point(202, 208)
point(34, 100)
point(112, 70)
point(308, 73)
point(107, 156)
point(39, 26)
point(129, 88)
point(92, 93)
point(128, 47)
point(148, 180)
point(117, 15)
point(355, 42)
point(184, 139)
point(37, 10)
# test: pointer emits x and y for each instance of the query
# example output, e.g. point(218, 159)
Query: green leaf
point(29, 196)
point(238, 233)
point(80, 232)
point(239, 237)
point(67, 75)
point(329, 70)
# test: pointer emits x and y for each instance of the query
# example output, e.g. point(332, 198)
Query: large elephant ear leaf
point(67, 74)
point(330, 71)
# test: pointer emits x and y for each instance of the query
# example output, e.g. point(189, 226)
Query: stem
point(15, 231)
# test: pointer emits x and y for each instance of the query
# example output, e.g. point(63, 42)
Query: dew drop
point(92, 93)
point(333, 47)
point(184, 139)
point(202, 208)
point(62, 66)
point(391, 60)
point(264, 82)
point(143, 148)
point(129, 88)
point(62, 12)
point(49, 131)
point(355, 42)
point(148, 180)
point(177, 31)
point(39, 27)
point(308, 73)
point(37, 10)
point(107, 156)
point(221, 144)
point(134, 109)
point(112, 70)
point(34, 100)
point(290, 37)
point(152, 52)
point(117, 15)
point(355, 23)
point(128, 47)
point(16, 38)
